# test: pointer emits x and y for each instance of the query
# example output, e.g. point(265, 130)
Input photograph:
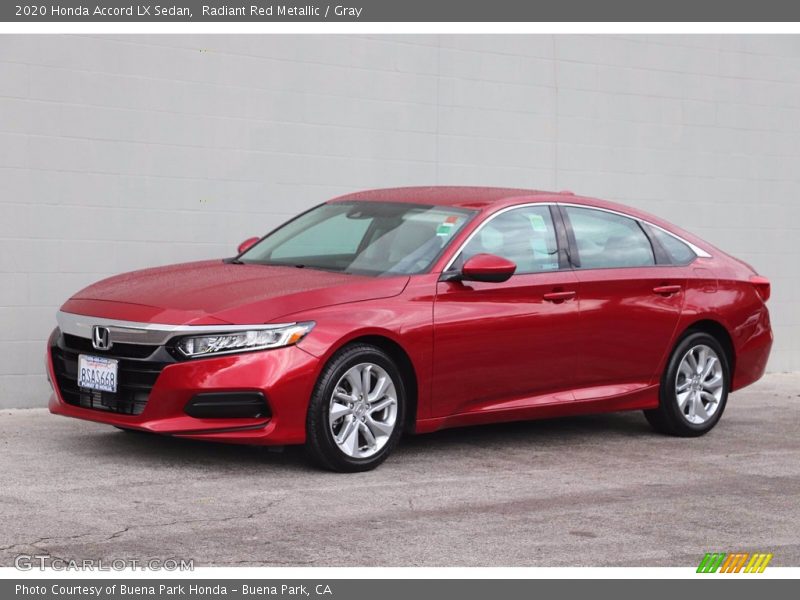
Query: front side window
point(525, 236)
point(365, 238)
point(608, 240)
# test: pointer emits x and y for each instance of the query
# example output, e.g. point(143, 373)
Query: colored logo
point(738, 562)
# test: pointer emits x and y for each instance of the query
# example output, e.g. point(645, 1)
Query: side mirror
point(247, 244)
point(487, 267)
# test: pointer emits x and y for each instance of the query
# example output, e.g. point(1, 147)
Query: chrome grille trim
point(149, 334)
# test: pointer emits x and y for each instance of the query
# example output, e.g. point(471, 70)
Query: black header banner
point(401, 11)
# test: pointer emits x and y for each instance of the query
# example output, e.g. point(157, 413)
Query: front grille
point(135, 377)
point(83, 345)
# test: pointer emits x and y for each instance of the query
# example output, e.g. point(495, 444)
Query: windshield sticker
point(445, 229)
point(537, 222)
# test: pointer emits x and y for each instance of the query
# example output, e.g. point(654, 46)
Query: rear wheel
point(694, 388)
point(356, 414)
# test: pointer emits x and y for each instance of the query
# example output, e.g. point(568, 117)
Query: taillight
point(762, 286)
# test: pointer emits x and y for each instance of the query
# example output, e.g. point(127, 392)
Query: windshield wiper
point(235, 261)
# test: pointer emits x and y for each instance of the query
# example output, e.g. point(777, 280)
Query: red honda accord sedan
point(417, 309)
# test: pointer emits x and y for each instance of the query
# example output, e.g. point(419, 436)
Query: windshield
point(364, 238)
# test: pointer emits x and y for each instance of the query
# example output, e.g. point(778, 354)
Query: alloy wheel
point(363, 410)
point(699, 384)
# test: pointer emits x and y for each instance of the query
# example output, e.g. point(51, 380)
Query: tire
point(685, 407)
point(345, 431)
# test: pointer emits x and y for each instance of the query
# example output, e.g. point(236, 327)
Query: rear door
point(630, 301)
point(498, 344)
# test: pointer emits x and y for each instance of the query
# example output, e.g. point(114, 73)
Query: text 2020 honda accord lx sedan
point(417, 309)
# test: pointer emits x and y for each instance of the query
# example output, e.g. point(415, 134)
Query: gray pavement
point(588, 491)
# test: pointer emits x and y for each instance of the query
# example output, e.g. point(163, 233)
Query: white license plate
point(97, 373)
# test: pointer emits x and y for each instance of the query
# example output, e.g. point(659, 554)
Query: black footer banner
point(704, 586)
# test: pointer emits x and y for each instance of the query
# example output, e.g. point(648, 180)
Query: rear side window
point(678, 252)
point(607, 240)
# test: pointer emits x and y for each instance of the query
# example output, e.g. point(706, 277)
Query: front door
point(507, 345)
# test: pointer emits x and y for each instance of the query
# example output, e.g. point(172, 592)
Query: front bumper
point(284, 376)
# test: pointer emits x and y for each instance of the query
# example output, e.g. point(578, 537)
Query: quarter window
point(607, 240)
point(679, 253)
point(526, 236)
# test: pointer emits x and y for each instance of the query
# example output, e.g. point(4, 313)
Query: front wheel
point(357, 410)
point(694, 388)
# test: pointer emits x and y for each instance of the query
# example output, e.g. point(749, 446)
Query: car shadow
point(630, 424)
point(151, 449)
point(143, 448)
point(558, 434)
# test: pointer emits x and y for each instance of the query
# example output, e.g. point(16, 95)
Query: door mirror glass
point(487, 267)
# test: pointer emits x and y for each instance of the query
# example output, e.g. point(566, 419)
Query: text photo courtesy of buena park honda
point(400, 300)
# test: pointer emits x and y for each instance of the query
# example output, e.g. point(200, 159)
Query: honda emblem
point(101, 338)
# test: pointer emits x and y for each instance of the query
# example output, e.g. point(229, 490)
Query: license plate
point(97, 373)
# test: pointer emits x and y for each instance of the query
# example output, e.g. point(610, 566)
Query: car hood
point(214, 292)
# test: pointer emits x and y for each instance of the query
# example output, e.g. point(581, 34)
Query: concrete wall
point(120, 152)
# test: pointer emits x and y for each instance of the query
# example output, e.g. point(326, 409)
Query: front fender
point(403, 321)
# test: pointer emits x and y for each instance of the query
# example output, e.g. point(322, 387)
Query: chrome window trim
point(151, 334)
point(694, 248)
point(699, 252)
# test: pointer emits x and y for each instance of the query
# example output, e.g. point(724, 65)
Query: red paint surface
point(538, 345)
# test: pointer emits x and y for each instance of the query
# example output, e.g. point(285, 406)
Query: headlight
point(243, 341)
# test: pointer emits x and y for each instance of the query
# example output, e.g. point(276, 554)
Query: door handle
point(667, 290)
point(558, 296)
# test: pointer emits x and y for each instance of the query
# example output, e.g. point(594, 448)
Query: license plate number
point(97, 373)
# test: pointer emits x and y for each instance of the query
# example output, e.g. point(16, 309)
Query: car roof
point(459, 196)
point(491, 199)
